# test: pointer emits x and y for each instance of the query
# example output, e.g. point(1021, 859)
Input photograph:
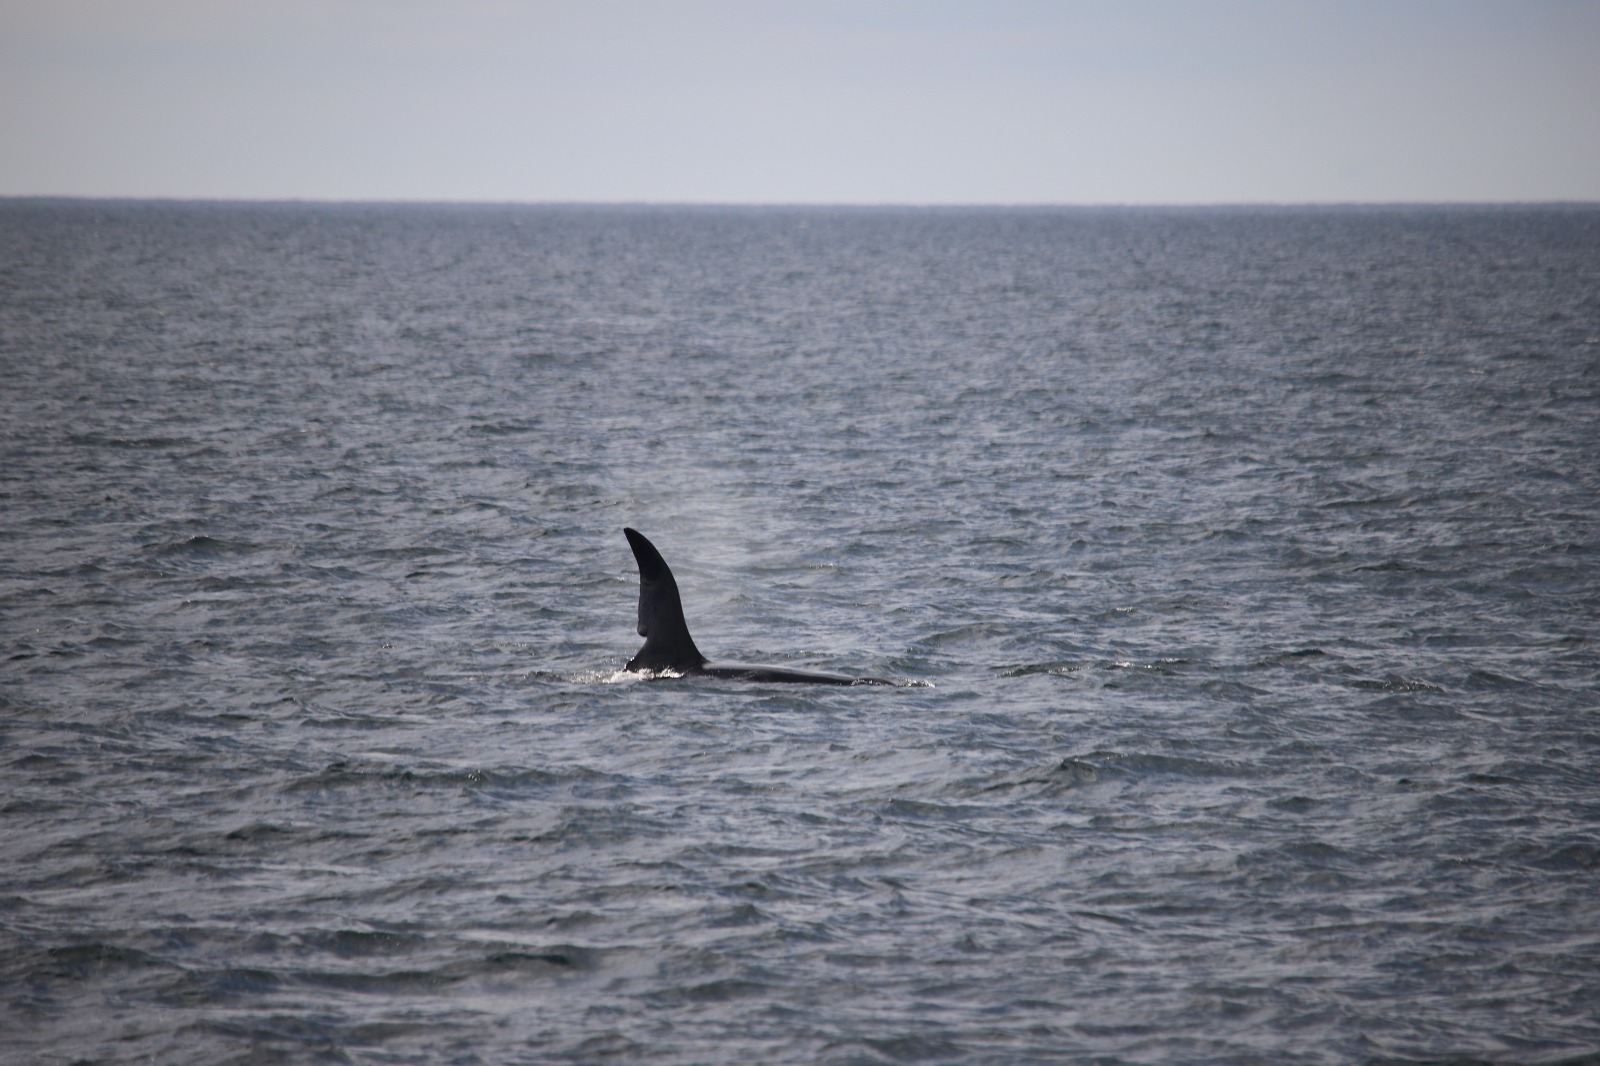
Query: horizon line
point(809, 204)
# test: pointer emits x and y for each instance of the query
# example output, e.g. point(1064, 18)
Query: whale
point(669, 650)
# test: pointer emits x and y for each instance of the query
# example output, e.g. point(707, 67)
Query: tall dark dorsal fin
point(667, 644)
point(669, 649)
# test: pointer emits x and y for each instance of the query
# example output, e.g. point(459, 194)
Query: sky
point(803, 101)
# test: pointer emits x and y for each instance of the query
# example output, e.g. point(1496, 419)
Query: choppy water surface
point(1247, 559)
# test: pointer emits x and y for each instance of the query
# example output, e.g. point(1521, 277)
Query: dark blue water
point(1239, 568)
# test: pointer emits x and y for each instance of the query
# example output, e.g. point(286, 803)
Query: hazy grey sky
point(866, 101)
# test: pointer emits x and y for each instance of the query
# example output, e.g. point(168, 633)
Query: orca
point(668, 647)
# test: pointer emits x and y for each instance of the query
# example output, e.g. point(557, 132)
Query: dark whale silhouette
point(668, 647)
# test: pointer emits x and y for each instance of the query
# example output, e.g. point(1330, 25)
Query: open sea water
point(1238, 569)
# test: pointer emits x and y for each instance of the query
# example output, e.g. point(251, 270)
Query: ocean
point(1237, 569)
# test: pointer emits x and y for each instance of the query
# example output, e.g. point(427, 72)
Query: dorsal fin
point(667, 644)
